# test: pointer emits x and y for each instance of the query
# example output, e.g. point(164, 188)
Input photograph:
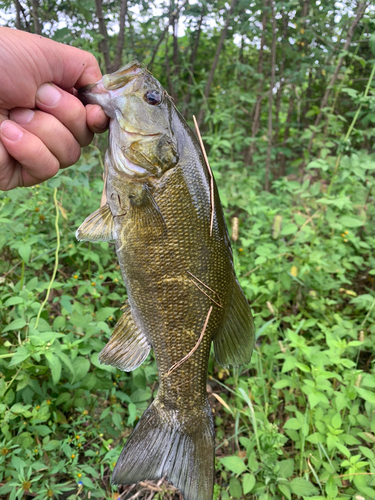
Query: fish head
point(142, 141)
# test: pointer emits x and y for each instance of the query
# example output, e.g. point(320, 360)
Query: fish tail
point(162, 446)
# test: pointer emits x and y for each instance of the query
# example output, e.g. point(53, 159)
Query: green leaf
point(51, 445)
point(64, 358)
point(16, 324)
point(350, 222)
point(289, 228)
point(234, 464)
point(81, 367)
point(87, 482)
point(65, 302)
point(248, 483)
point(235, 488)
point(366, 395)
point(9, 397)
point(20, 355)
point(367, 452)
point(285, 490)
point(365, 485)
point(286, 468)
point(13, 301)
point(25, 251)
point(281, 384)
point(55, 366)
point(293, 424)
point(331, 488)
point(301, 487)
point(104, 313)
point(42, 430)
point(336, 421)
point(19, 408)
point(63, 398)
point(117, 419)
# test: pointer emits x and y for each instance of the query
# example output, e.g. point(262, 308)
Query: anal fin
point(128, 347)
point(233, 343)
point(98, 226)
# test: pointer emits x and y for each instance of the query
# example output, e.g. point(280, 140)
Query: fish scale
point(183, 293)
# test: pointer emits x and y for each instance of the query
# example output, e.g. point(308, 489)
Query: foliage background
point(284, 94)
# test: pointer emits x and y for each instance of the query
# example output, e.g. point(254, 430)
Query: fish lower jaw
point(130, 168)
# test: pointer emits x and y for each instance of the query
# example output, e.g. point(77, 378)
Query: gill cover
point(142, 142)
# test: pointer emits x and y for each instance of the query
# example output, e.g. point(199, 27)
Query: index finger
point(71, 67)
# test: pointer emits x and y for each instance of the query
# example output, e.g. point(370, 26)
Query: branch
point(361, 10)
point(103, 31)
point(171, 17)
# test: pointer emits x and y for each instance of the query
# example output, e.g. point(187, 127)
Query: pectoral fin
point(128, 347)
point(98, 226)
point(233, 344)
point(146, 214)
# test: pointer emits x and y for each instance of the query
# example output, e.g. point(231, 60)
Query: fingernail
point(22, 115)
point(10, 131)
point(48, 94)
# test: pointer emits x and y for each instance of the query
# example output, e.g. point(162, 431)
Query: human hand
point(42, 124)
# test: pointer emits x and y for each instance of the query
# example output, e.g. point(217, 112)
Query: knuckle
point(86, 140)
point(49, 164)
point(74, 155)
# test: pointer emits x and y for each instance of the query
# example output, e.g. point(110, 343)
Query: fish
point(164, 214)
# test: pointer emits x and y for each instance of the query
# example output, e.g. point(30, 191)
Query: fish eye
point(153, 97)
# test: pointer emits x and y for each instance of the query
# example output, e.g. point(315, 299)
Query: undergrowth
point(297, 422)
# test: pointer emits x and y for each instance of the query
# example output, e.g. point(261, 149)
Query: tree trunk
point(168, 68)
point(361, 10)
point(282, 164)
point(240, 55)
point(192, 63)
point(260, 94)
point(164, 32)
point(103, 45)
point(121, 35)
point(18, 14)
point(35, 12)
point(270, 99)
point(215, 61)
point(175, 58)
point(281, 75)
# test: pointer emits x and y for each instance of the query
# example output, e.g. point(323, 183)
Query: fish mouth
point(112, 85)
point(128, 167)
point(94, 93)
point(134, 134)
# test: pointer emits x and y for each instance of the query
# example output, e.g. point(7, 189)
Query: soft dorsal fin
point(233, 343)
point(98, 226)
point(128, 346)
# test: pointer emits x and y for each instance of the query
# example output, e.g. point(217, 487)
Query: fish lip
point(92, 93)
point(139, 133)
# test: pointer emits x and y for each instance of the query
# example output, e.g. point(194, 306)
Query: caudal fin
point(161, 446)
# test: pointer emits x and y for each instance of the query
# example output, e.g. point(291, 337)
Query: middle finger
point(56, 137)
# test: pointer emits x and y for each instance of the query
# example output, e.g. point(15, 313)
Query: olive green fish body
point(182, 289)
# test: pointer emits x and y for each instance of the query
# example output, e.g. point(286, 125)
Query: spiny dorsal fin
point(98, 226)
point(233, 343)
point(128, 347)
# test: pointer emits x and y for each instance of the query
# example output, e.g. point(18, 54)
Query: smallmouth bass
point(164, 214)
